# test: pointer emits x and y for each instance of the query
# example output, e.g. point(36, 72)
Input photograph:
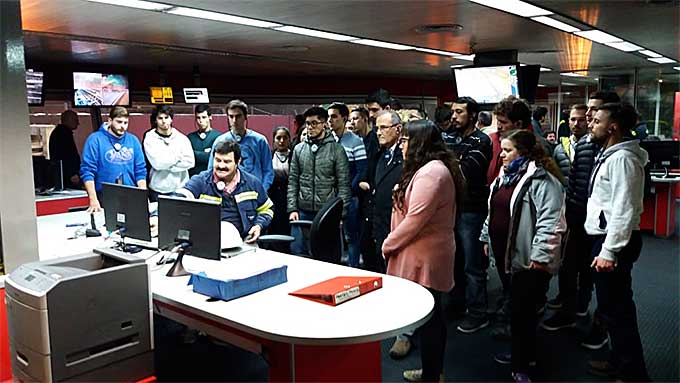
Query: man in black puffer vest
point(575, 276)
point(565, 149)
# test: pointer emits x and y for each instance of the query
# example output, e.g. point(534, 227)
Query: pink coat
point(421, 245)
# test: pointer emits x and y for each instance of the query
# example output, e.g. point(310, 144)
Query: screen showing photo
point(100, 89)
point(487, 85)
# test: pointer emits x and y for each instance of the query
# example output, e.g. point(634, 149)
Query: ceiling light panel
point(516, 7)
point(545, 69)
point(624, 46)
point(571, 74)
point(598, 36)
point(662, 60)
point(383, 44)
point(465, 57)
point(549, 21)
point(676, 67)
point(216, 16)
point(315, 33)
point(649, 53)
point(139, 4)
point(437, 52)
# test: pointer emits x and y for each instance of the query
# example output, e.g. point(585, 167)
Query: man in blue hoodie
point(112, 155)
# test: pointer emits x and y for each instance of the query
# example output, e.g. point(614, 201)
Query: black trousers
point(432, 337)
point(617, 309)
point(371, 253)
point(528, 290)
point(575, 277)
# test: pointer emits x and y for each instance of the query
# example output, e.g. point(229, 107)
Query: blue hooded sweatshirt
point(107, 158)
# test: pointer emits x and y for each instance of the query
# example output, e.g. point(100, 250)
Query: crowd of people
point(430, 201)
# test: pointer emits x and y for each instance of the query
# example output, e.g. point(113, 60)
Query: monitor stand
point(177, 269)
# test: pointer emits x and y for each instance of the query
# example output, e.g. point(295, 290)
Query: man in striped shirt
point(473, 149)
point(338, 114)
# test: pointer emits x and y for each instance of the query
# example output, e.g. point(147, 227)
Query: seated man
point(244, 200)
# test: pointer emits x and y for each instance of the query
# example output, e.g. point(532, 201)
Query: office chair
point(325, 234)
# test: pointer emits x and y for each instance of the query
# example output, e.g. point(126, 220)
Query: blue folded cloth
point(235, 288)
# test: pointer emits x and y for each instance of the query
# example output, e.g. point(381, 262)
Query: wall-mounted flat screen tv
point(100, 89)
point(487, 84)
point(34, 87)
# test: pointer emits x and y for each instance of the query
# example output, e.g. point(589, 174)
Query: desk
point(60, 202)
point(302, 340)
point(659, 211)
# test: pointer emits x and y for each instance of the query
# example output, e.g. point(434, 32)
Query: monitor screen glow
point(100, 89)
point(487, 85)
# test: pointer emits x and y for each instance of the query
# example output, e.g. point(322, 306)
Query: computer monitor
point(48, 175)
point(195, 223)
point(663, 155)
point(126, 208)
point(487, 84)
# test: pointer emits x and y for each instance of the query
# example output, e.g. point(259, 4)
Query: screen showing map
point(487, 85)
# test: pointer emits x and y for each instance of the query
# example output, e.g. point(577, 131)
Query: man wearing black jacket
point(63, 148)
point(382, 173)
point(473, 149)
point(575, 276)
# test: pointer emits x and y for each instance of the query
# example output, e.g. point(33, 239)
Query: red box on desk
point(338, 290)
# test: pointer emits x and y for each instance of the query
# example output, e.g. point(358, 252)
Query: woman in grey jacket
point(524, 229)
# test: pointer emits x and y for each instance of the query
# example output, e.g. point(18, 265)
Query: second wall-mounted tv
point(487, 84)
point(100, 89)
point(34, 87)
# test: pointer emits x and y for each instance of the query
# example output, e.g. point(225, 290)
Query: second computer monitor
point(192, 221)
point(126, 208)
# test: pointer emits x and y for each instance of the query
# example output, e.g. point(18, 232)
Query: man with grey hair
point(383, 172)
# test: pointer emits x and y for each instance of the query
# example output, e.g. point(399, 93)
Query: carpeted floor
point(656, 283)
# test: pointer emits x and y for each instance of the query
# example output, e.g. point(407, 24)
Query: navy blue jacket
point(254, 206)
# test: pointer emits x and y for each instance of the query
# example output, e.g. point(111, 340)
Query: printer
point(82, 318)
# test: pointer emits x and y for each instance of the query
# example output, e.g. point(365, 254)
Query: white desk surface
point(399, 306)
point(64, 194)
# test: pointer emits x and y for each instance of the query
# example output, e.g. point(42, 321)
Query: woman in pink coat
point(421, 246)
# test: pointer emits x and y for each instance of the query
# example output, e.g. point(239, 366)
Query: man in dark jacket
point(63, 148)
point(319, 171)
point(564, 151)
point(383, 172)
point(473, 149)
point(575, 276)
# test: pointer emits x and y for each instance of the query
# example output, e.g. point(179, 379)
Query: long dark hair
point(425, 144)
point(526, 144)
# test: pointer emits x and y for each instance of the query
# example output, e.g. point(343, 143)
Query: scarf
point(515, 170)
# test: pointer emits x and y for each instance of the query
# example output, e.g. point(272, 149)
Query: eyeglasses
point(385, 127)
point(403, 140)
point(314, 124)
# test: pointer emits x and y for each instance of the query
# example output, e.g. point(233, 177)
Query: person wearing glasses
point(319, 171)
point(421, 244)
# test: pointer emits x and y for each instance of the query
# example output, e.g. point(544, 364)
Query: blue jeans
point(351, 228)
point(468, 228)
point(299, 245)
